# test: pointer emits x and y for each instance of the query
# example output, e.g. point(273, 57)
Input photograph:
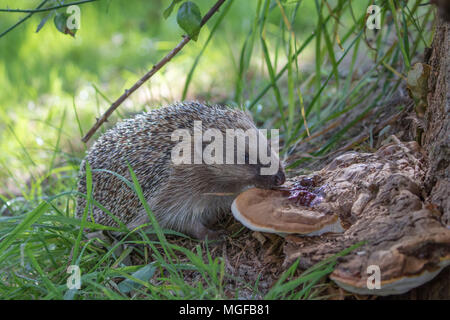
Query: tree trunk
point(437, 131)
point(436, 142)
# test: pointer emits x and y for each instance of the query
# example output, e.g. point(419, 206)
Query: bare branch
point(39, 9)
point(22, 20)
point(148, 75)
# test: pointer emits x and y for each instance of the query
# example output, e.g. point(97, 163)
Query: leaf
point(43, 21)
point(189, 19)
point(60, 21)
point(143, 274)
point(170, 8)
point(70, 294)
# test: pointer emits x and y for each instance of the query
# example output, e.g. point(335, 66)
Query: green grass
point(293, 64)
point(51, 245)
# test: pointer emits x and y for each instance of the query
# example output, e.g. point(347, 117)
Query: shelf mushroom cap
point(402, 267)
point(391, 287)
point(271, 211)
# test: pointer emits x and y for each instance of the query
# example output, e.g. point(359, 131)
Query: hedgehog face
point(249, 161)
point(269, 181)
point(266, 181)
point(261, 157)
point(233, 177)
point(236, 177)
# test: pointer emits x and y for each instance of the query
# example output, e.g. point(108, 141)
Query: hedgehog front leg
point(199, 231)
point(187, 221)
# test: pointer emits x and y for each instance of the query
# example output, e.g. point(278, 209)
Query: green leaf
point(143, 274)
point(70, 294)
point(170, 8)
point(43, 21)
point(189, 19)
point(61, 24)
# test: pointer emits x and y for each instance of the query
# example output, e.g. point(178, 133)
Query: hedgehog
point(184, 197)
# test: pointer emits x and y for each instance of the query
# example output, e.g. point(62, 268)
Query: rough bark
point(437, 119)
point(436, 142)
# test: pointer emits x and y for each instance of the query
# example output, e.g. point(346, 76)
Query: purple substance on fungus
point(303, 193)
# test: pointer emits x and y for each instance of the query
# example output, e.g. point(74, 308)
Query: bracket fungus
point(379, 200)
point(293, 209)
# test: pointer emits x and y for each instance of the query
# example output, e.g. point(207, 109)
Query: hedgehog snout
point(279, 178)
point(270, 181)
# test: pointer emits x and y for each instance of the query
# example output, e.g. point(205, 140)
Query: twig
point(22, 20)
point(148, 75)
point(39, 9)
